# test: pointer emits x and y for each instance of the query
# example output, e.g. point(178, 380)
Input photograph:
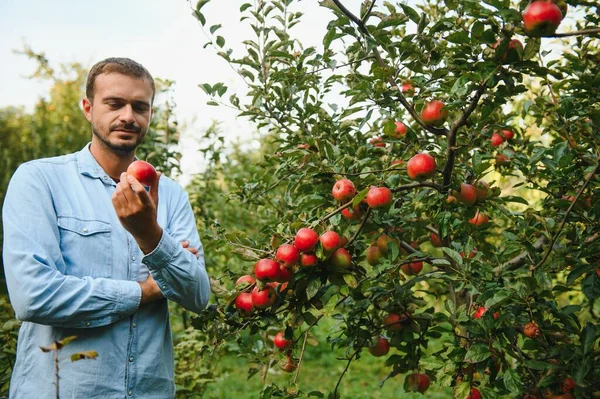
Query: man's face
point(120, 112)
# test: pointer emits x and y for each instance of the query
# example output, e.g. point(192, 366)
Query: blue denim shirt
point(72, 269)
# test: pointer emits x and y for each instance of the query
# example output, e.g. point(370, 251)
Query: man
point(89, 252)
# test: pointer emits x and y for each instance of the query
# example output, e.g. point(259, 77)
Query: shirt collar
point(88, 166)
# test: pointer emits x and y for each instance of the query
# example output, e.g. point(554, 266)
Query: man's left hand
point(136, 210)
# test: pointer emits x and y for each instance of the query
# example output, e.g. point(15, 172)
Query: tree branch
point(417, 185)
point(368, 13)
point(520, 259)
point(577, 32)
point(362, 225)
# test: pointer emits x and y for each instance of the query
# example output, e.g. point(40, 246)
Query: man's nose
point(127, 114)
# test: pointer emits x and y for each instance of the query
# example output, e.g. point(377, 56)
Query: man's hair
point(124, 66)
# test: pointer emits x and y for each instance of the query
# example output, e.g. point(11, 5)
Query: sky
point(160, 34)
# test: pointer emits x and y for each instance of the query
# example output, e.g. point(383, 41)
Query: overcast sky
point(160, 34)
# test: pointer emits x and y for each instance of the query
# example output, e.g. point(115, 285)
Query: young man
point(89, 252)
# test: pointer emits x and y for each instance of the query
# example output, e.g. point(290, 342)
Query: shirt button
point(130, 393)
point(134, 325)
point(88, 324)
point(85, 230)
point(133, 258)
point(164, 287)
point(131, 358)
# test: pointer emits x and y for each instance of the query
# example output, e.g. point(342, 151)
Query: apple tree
point(433, 178)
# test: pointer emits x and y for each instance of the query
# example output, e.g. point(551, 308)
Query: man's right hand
point(150, 290)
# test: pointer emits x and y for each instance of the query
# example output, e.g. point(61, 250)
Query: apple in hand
point(143, 172)
point(421, 167)
point(343, 190)
point(379, 197)
point(434, 113)
point(541, 18)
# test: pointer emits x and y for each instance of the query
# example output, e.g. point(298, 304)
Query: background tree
point(518, 314)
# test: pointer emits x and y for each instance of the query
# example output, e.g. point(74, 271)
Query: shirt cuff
point(162, 254)
point(130, 297)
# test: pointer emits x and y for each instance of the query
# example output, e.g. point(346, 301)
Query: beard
point(122, 148)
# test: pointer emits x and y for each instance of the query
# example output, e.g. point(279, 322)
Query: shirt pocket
point(86, 246)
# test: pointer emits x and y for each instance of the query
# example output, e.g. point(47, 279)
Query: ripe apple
point(280, 341)
point(352, 214)
point(412, 269)
point(379, 197)
point(341, 258)
point(306, 239)
point(395, 321)
point(244, 282)
point(568, 385)
point(513, 53)
point(475, 394)
point(380, 347)
point(532, 330)
point(450, 199)
point(288, 255)
point(502, 159)
point(417, 382)
point(434, 113)
point(264, 298)
point(308, 260)
point(479, 219)
point(373, 255)
point(285, 274)
point(541, 18)
point(400, 130)
point(143, 172)
point(481, 190)
point(330, 241)
point(508, 134)
point(377, 142)
point(343, 190)
point(436, 241)
point(408, 88)
point(479, 312)
point(467, 194)
point(496, 140)
point(383, 241)
point(421, 166)
point(266, 270)
point(243, 302)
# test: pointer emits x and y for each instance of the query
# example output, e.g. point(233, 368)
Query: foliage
point(9, 328)
point(535, 261)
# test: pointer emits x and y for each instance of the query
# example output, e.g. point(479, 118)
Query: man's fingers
point(154, 189)
point(185, 244)
point(138, 188)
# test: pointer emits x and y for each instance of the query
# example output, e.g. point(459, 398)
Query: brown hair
point(123, 66)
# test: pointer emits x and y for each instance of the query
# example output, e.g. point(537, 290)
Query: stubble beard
point(121, 149)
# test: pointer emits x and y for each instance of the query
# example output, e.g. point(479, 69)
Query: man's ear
point(86, 104)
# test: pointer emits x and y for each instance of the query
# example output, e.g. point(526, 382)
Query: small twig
point(333, 68)
point(362, 225)
point(564, 221)
point(301, 354)
point(577, 32)
point(368, 13)
point(417, 185)
point(333, 213)
point(345, 370)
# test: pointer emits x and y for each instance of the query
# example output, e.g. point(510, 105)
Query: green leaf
point(462, 390)
point(477, 353)
point(245, 6)
point(512, 381)
point(537, 364)
point(220, 41)
point(214, 28)
point(531, 48)
point(589, 335)
point(350, 280)
point(454, 255)
point(313, 288)
point(410, 13)
point(498, 297)
point(576, 273)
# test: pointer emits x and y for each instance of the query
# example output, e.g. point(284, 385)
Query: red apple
point(373, 255)
point(475, 394)
point(377, 142)
point(481, 190)
point(383, 241)
point(330, 241)
point(502, 159)
point(541, 18)
point(266, 270)
point(352, 214)
point(308, 260)
point(285, 274)
point(513, 53)
point(436, 240)
point(417, 382)
point(421, 167)
point(467, 194)
point(508, 134)
point(400, 130)
point(434, 113)
point(288, 255)
point(532, 330)
point(412, 269)
point(306, 239)
point(264, 298)
point(379, 197)
point(343, 190)
point(280, 341)
point(380, 347)
point(408, 88)
point(341, 258)
point(244, 282)
point(143, 172)
point(471, 254)
point(395, 321)
point(479, 219)
point(479, 312)
point(568, 385)
point(496, 140)
point(243, 302)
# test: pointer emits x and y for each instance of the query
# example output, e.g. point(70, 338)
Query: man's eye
point(114, 105)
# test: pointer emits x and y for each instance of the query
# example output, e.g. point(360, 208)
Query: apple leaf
point(453, 254)
point(462, 390)
point(477, 353)
point(512, 381)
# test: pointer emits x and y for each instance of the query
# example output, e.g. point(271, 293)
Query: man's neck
point(113, 164)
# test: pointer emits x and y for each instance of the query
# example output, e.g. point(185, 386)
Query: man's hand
point(186, 246)
point(150, 290)
point(136, 210)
